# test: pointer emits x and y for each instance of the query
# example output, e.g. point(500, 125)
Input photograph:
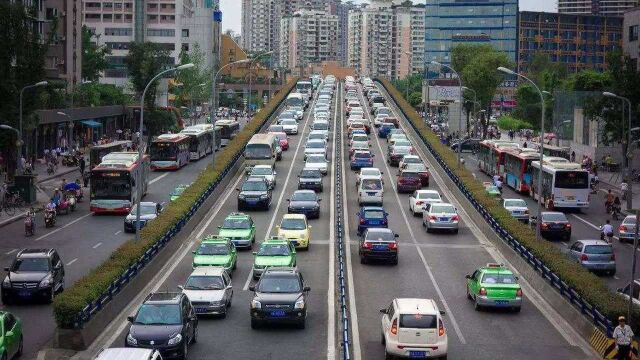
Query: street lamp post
point(250, 66)
point(140, 154)
point(461, 103)
point(539, 186)
point(629, 193)
point(475, 100)
point(409, 53)
point(41, 83)
point(69, 129)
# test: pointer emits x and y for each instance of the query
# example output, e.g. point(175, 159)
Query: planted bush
point(92, 286)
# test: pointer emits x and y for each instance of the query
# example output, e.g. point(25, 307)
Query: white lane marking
point(447, 308)
point(158, 178)
point(586, 222)
point(11, 252)
point(569, 334)
point(118, 232)
point(353, 311)
point(64, 227)
point(331, 296)
point(248, 281)
point(72, 261)
point(97, 245)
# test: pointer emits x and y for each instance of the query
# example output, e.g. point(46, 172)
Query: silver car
point(316, 146)
point(517, 208)
point(440, 216)
point(594, 255)
point(209, 290)
point(318, 162)
point(265, 171)
point(626, 230)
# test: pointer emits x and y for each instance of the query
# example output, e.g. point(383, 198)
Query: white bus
point(260, 150)
point(564, 182)
point(202, 141)
point(114, 185)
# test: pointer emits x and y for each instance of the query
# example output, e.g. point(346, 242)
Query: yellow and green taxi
point(175, 194)
point(275, 252)
point(240, 229)
point(215, 250)
point(491, 189)
point(294, 227)
point(11, 345)
point(494, 285)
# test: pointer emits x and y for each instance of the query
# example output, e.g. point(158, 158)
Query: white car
point(379, 119)
point(266, 172)
point(318, 134)
point(517, 208)
point(322, 126)
point(360, 137)
point(369, 173)
point(315, 147)
point(420, 198)
point(409, 159)
point(318, 162)
point(209, 290)
point(289, 126)
point(413, 328)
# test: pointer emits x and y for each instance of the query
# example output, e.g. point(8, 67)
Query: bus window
point(572, 180)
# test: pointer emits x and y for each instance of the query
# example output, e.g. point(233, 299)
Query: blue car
point(371, 217)
point(361, 159)
point(385, 129)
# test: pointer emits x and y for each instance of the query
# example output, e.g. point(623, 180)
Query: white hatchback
point(420, 198)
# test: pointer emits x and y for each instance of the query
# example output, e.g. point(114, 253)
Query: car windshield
point(304, 196)
point(212, 249)
point(320, 126)
point(445, 209)
point(204, 283)
point(360, 145)
point(274, 250)
point(31, 264)
point(236, 224)
point(279, 284)
point(315, 159)
point(553, 217)
point(146, 210)
point(315, 145)
point(411, 159)
point(416, 167)
point(362, 155)
point(316, 135)
point(254, 186)
point(428, 196)
point(288, 122)
point(369, 172)
point(598, 249)
point(515, 203)
point(310, 174)
point(630, 220)
point(418, 321)
point(402, 142)
point(498, 279)
point(281, 136)
point(275, 128)
point(261, 171)
point(293, 224)
point(374, 214)
point(376, 235)
point(158, 314)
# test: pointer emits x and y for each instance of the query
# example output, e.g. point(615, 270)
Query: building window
point(185, 33)
point(161, 32)
point(633, 33)
point(185, 47)
point(117, 31)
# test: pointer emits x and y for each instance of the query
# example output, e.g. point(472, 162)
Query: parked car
point(627, 229)
point(594, 255)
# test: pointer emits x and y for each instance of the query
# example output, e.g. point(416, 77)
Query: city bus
point(517, 168)
point(98, 151)
point(260, 150)
point(228, 130)
point(169, 152)
point(491, 156)
point(202, 141)
point(114, 182)
point(564, 182)
point(555, 151)
point(305, 87)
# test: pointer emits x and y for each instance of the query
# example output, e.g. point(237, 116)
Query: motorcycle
point(615, 211)
point(71, 199)
point(49, 218)
point(50, 169)
point(29, 224)
point(64, 206)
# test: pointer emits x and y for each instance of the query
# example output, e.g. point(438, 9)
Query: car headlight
point(241, 196)
point(255, 304)
point(175, 340)
point(299, 304)
point(46, 282)
point(6, 282)
point(215, 303)
point(131, 340)
point(265, 196)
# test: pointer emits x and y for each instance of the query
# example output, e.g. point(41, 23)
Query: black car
point(376, 99)
point(280, 296)
point(165, 322)
point(468, 145)
point(555, 225)
point(305, 202)
point(34, 274)
point(254, 193)
point(310, 179)
point(378, 244)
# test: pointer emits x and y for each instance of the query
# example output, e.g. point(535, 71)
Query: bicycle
point(11, 202)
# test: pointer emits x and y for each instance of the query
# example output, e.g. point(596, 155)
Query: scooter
point(71, 199)
point(29, 224)
point(64, 206)
point(49, 218)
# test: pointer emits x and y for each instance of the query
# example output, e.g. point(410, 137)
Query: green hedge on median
point(586, 284)
point(90, 287)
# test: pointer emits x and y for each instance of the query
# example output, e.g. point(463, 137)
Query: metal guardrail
point(599, 320)
point(340, 240)
point(116, 286)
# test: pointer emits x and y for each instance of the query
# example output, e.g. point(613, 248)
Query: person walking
point(623, 335)
point(81, 164)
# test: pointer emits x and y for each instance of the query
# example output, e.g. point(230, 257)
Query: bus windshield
point(110, 185)
point(572, 180)
point(258, 151)
point(163, 151)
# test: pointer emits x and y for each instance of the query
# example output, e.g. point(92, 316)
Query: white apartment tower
point(408, 38)
point(370, 42)
point(308, 37)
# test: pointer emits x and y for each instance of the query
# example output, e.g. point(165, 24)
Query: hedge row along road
point(430, 266)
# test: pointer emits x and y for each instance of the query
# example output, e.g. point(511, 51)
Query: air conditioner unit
point(60, 62)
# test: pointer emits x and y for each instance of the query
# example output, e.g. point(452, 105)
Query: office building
point(631, 27)
point(579, 42)
point(408, 39)
point(596, 7)
point(308, 37)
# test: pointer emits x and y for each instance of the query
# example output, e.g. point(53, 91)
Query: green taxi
point(11, 345)
point(491, 189)
point(494, 286)
point(215, 250)
point(273, 252)
point(240, 229)
point(175, 194)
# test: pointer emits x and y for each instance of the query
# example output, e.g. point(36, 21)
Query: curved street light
point(38, 84)
point(252, 60)
point(461, 104)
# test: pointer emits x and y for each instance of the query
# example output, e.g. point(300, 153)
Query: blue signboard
point(217, 16)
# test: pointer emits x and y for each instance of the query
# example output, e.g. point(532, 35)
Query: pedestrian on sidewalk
point(81, 164)
point(623, 335)
point(573, 156)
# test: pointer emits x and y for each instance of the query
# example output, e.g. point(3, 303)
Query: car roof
point(255, 178)
point(238, 215)
point(208, 271)
point(34, 252)
point(148, 203)
point(281, 270)
point(304, 192)
point(164, 297)
point(593, 242)
point(310, 169)
point(415, 305)
point(372, 208)
point(370, 168)
point(495, 268)
point(125, 354)
point(294, 216)
point(377, 229)
point(428, 192)
point(263, 166)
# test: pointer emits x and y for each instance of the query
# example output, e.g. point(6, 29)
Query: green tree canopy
point(196, 81)
point(94, 59)
point(144, 61)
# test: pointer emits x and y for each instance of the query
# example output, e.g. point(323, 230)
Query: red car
point(408, 181)
point(283, 140)
point(421, 169)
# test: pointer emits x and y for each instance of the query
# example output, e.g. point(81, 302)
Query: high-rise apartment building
point(596, 7)
point(370, 40)
point(341, 10)
point(408, 39)
point(630, 38)
point(308, 37)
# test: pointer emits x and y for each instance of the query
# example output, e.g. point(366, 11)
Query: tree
point(415, 99)
point(144, 61)
point(94, 59)
point(414, 82)
point(96, 94)
point(196, 81)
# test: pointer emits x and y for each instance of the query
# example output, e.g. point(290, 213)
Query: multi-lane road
point(430, 266)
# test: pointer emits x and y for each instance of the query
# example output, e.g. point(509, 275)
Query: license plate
point(501, 302)
point(277, 313)
point(571, 198)
point(374, 222)
point(24, 293)
point(444, 219)
point(379, 247)
point(201, 310)
point(371, 193)
point(251, 201)
point(417, 354)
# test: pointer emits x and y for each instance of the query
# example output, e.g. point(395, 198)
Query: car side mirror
point(130, 318)
point(252, 288)
point(306, 289)
point(442, 312)
point(180, 287)
point(468, 276)
point(383, 311)
point(229, 287)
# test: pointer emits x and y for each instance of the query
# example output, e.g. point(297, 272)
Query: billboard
point(446, 94)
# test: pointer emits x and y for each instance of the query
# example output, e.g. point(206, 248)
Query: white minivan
point(370, 191)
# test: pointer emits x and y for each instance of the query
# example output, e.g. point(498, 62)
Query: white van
point(129, 354)
point(370, 191)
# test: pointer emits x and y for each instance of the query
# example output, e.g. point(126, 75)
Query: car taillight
point(440, 328)
point(567, 226)
point(455, 218)
point(544, 226)
point(584, 257)
point(419, 203)
point(519, 293)
point(622, 228)
point(394, 327)
point(367, 245)
point(361, 221)
point(483, 292)
point(431, 217)
point(393, 246)
point(613, 257)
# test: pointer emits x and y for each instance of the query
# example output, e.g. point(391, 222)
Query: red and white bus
point(170, 151)
point(517, 168)
point(491, 156)
point(114, 182)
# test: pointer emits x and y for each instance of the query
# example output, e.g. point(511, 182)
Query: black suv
point(34, 274)
point(280, 296)
point(165, 322)
point(254, 193)
point(310, 179)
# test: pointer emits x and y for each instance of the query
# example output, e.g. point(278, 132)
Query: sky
point(231, 10)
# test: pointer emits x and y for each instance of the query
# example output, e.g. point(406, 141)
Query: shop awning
point(92, 123)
